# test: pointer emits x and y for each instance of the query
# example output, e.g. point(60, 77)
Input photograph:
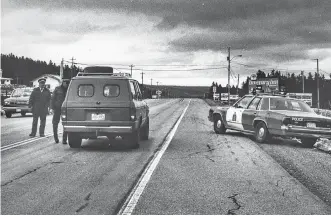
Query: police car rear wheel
point(219, 127)
point(308, 142)
point(261, 132)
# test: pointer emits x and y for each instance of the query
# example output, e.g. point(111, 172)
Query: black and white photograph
point(165, 107)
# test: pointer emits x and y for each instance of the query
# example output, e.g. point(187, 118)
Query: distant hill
point(180, 91)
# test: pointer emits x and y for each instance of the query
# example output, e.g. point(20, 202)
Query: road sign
point(158, 92)
point(214, 89)
point(216, 96)
point(253, 77)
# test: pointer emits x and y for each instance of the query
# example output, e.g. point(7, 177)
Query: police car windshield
point(289, 104)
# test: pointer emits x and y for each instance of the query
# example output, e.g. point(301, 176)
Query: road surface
point(198, 173)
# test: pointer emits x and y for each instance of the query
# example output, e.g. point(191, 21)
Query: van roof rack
point(105, 74)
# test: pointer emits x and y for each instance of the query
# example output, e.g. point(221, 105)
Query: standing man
point(58, 97)
point(39, 102)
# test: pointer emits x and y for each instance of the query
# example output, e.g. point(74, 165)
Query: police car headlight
point(7, 102)
point(63, 116)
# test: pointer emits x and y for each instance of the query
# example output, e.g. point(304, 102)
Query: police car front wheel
point(219, 126)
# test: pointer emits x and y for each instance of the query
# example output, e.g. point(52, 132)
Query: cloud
point(267, 33)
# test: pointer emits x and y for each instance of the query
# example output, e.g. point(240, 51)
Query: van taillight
point(63, 113)
point(133, 113)
point(286, 121)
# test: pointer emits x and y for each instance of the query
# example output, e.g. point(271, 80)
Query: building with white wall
point(52, 81)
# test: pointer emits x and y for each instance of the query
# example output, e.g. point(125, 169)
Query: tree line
point(23, 69)
point(293, 83)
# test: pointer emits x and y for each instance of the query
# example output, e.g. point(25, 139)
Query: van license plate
point(311, 125)
point(97, 117)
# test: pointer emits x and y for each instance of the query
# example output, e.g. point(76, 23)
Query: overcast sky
point(173, 35)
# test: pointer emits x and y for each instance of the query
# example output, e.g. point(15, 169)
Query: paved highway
point(184, 168)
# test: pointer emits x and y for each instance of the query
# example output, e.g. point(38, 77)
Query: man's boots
point(56, 138)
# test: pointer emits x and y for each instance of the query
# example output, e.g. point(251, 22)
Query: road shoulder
point(205, 173)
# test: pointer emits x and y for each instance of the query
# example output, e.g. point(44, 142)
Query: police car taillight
point(286, 121)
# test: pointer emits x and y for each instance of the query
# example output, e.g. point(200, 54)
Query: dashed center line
point(24, 142)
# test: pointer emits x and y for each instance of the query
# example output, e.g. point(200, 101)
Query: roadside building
point(5, 81)
point(52, 81)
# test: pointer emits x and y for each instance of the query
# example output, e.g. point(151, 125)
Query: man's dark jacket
point(58, 97)
point(40, 101)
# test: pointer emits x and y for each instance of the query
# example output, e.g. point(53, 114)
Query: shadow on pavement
point(105, 145)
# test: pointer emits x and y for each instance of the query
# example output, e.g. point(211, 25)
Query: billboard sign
point(216, 96)
point(267, 84)
point(224, 97)
point(306, 97)
point(214, 89)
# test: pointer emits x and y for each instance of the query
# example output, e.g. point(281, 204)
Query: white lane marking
point(24, 142)
point(133, 198)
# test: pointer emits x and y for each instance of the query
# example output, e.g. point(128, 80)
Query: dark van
point(105, 104)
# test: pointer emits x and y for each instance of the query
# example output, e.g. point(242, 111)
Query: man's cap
point(42, 80)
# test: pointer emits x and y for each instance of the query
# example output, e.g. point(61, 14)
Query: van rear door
point(98, 101)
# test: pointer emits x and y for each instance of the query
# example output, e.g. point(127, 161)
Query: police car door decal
point(234, 118)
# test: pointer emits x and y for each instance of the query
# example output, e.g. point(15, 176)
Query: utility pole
point(131, 66)
point(238, 86)
point(318, 86)
point(72, 66)
point(229, 75)
point(303, 82)
point(61, 69)
point(151, 82)
point(157, 88)
point(142, 78)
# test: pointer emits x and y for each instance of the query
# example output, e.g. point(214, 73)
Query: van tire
point(134, 139)
point(8, 114)
point(145, 130)
point(74, 140)
point(23, 114)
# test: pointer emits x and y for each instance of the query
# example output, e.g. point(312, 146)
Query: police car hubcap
point(261, 132)
point(219, 123)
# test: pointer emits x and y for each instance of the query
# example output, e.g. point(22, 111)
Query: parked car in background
point(18, 102)
point(266, 115)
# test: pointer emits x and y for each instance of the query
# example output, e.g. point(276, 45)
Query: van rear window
point(85, 90)
point(111, 90)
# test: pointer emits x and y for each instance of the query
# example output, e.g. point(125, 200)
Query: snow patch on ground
point(323, 144)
